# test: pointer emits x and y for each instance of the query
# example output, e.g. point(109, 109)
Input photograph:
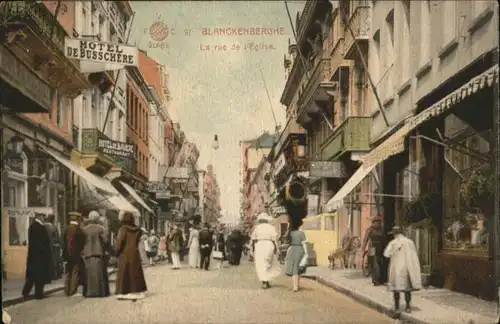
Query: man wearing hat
point(404, 270)
point(74, 242)
point(38, 264)
point(375, 236)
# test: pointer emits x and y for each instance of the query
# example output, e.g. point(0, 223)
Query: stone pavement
point(11, 289)
point(430, 305)
point(229, 295)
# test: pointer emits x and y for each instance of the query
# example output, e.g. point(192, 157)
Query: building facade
point(211, 196)
point(394, 80)
point(38, 84)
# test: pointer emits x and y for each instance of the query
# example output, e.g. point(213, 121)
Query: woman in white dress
point(194, 248)
point(265, 249)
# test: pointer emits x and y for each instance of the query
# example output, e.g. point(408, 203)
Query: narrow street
point(229, 295)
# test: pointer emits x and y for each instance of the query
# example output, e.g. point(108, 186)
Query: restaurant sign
point(116, 148)
point(103, 52)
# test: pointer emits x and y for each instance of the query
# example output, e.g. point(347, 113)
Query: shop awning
point(136, 196)
point(94, 199)
point(94, 180)
point(395, 143)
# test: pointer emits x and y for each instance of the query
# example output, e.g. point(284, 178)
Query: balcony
point(352, 135)
point(360, 22)
point(99, 162)
point(37, 39)
point(314, 92)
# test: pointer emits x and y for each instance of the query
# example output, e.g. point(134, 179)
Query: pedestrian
point(174, 245)
point(265, 249)
point(235, 247)
point(206, 246)
point(94, 258)
point(162, 248)
point(376, 237)
point(74, 241)
point(220, 250)
point(56, 247)
point(404, 270)
point(38, 263)
point(143, 247)
point(346, 241)
point(296, 256)
point(130, 281)
point(152, 244)
point(194, 247)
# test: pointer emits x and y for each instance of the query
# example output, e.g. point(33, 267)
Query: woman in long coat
point(96, 273)
point(234, 244)
point(130, 281)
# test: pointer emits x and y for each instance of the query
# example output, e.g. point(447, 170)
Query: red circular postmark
point(158, 31)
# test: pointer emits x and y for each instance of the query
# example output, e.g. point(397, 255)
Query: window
point(425, 32)
point(59, 114)
point(377, 64)
point(449, 21)
point(405, 55)
point(19, 222)
point(467, 215)
point(312, 225)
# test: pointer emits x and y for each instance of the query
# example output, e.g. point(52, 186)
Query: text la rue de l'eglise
point(105, 52)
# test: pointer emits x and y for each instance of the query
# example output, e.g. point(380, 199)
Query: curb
point(20, 299)
point(379, 307)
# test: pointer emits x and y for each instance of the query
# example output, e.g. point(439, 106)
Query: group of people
point(203, 244)
point(86, 251)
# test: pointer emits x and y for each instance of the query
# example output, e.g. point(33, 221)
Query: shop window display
point(467, 189)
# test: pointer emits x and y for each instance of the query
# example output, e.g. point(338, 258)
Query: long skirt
point(266, 261)
point(194, 256)
point(97, 281)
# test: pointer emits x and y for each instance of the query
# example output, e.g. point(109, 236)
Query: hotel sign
point(20, 77)
point(116, 148)
point(103, 52)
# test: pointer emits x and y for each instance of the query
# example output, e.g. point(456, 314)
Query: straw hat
point(264, 217)
point(74, 216)
point(396, 230)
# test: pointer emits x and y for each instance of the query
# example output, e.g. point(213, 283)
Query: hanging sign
point(103, 52)
point(116, 148)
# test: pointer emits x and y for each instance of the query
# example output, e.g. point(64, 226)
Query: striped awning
point(395, 143)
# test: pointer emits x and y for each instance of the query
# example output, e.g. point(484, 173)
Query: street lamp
point(215, 143)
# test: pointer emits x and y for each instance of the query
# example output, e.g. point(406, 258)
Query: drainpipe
point(496, 216)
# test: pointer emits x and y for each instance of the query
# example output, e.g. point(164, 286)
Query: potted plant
point(477, 192)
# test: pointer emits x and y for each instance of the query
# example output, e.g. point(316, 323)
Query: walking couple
point(200, 247)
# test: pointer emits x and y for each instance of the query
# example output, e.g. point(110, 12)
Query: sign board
point(116, 148)
point(178, 173)
point(103, 52)
point(156, 186)
point(279, 164)
point(163, 194)
point(312, 205)
point(179, 181)
point(276, 210)
point(327, 169)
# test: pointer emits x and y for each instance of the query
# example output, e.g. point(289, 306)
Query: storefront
point(440, 160)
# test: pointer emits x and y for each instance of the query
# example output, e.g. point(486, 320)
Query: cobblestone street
point(229, 295)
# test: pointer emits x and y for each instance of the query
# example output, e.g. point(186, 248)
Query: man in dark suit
point(38, 264)
point(206, 245)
